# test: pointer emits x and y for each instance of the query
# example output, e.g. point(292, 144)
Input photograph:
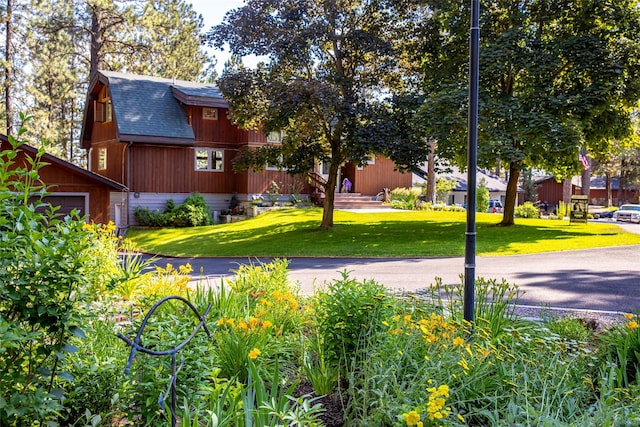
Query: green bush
point(482, 197)
point(48, 273)
point(193, 212)
point(348, 315)
point(527, 210)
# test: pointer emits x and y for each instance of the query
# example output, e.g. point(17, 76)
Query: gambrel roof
point(149, 109)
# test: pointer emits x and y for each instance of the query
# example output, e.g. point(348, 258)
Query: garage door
point(67, 203)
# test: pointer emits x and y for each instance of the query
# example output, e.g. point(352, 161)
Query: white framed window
point(209, 159)
point(210, 113)
point(275, 136)
point(102, 159)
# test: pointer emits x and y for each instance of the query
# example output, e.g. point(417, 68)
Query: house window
point(275, 167)
point(102, 159)
point(103, 109)
point(210, 113)
point(275, 136)
point(208, 159)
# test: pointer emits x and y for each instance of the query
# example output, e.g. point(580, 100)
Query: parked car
point(495, 206)
point(628, 213)
point(604, 214)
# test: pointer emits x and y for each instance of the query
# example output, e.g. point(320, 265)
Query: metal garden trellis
point(135, 346)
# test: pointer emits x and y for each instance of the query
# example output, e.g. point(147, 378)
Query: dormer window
point(210, 113)
point(103, 111)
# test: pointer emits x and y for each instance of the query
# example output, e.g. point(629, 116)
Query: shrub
point(482, 197)
point(527, 210)
point(48, 273)
point(192, 213)
point(346, 315)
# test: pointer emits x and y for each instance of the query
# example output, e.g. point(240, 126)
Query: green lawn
point(295, 232)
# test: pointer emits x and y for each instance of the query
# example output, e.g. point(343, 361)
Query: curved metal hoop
point(135, 346)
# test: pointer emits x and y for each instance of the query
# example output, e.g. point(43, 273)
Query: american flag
point(584, 161)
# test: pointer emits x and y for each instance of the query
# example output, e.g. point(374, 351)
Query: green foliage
point(345, 314)
point(48, 274)
point(541, 97)
point(527, 210)
point(569, 328)
point(562, 209)
point(482, 197)
point(443, 187)
point(620, 353)
point(323, 95)
point(193, 212)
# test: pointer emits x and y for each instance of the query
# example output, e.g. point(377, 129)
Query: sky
point(213, 12)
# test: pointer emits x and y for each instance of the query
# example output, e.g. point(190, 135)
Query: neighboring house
point(550, 190)
point(165, 139)
point(458, 196)
point(598, 192)
point(70, 186)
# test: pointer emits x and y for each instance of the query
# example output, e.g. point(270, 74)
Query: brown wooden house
point(70, 186)
point(165, 139)
point(550, 190)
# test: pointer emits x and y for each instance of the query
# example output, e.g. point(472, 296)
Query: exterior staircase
point(357, 201)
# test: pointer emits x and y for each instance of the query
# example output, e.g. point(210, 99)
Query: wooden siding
point(158, 201)
point(371, 179)
point(116, 160)
point(159, 169)
point(220, 130)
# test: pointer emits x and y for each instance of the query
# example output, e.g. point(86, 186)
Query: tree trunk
point(97, 40)
point(586, 182)
point(607, 187)
point(566, 191)
point(329, 196)
point(8, 67)
point(431, 172)
point(511, 196)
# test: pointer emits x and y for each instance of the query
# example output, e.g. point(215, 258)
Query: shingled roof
point(148, 109)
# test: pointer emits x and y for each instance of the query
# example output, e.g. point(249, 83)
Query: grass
point(296, 233)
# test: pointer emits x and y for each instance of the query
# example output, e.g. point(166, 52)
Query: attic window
point(210, 113)
point(103, 111)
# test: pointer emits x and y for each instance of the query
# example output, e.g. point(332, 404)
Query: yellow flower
point(460, 417)
point(629, 316)
point(220, 321)
point(412, 418)
point(419, 424)
point(266, 324)
point(253, 354)
point(457, 341)
point(632, 325)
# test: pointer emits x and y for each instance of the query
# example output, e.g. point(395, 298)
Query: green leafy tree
point(325, 85)
point(555, 77)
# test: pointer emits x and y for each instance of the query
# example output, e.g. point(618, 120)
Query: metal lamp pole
point(472, 161)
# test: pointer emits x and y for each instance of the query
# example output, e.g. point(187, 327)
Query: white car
point(628, 213)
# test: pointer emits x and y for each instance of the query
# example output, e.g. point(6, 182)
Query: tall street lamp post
point(472, 161)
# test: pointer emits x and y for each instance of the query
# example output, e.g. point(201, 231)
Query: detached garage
point(69, 186)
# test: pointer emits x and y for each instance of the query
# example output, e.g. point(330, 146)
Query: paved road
point(593, 279)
